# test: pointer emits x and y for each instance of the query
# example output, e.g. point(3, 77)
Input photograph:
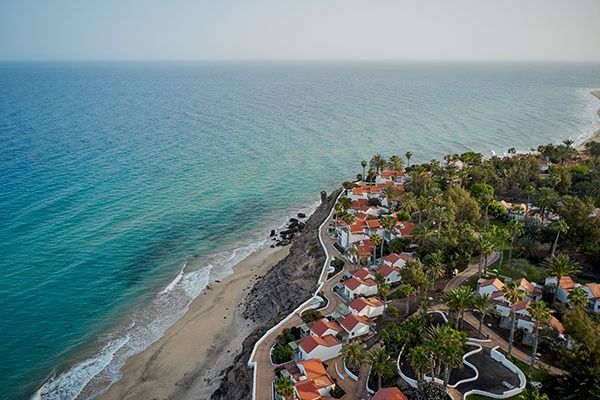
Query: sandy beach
point(596, 135)
point(186, 361)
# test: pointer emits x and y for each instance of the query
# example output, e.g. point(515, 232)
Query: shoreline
point(595, 136)
point(213, 326)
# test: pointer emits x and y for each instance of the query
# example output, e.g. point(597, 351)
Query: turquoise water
point(126, 187)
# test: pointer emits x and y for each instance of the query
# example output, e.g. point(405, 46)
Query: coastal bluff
point(288, 284)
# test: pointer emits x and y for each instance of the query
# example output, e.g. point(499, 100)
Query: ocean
point(125, 188)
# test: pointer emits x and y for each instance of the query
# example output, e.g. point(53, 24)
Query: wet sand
point(185, 362)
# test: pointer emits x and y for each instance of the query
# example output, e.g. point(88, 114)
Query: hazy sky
point(542, 30)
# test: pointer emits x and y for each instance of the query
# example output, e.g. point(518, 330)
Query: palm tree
point(364, 164)
point(434, 263)
point(388, 223)
point(458, 300)
point(421, 361)
point(396, 163)
point(560, 266)
point(438, 216)
point(376, 240)
point(391, 193)
point(378, 162)
point(516, 228)
point(486, 248)
point(561, 227)
point(380, 361)
point(348, 219)
point(578, 298)
point(408, 156)
point(354, 353)
point(533, 395)
point(353, 252)
point(383, 289)
point(285, 387)
point(513, 294)
point(409, 203)
point(568, 143)
point(484, 305)
point(394, 312)
point(541, 314)
point(407, 290)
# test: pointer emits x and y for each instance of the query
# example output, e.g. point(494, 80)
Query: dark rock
point(291, 282)
point(272, 232)
point(301, 215)
point(293, 220)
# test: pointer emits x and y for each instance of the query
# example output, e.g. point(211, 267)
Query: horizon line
point(308, 60)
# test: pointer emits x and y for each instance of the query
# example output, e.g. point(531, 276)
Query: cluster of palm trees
point(377, 358)
point(441, 351)
point(378, 163)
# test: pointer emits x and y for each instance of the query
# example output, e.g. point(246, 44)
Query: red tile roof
point(386, 270)
point(323, 325)
point(350, 321)
point(360, 303)
point(363, 273)
point(309, 343)
point(406, 228)
point(389, 174)
point(521, 305)
point(353, 283)
point(392, 393)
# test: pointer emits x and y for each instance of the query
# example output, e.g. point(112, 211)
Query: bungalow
point(349, 234)
point(490, 287)
point(390, 274)
point(364, 248)
point(369, 307)
point(373, 226)
point(593, 292)
point(324, 327)
point(562, 291)
point(533, 290)
point(389, 393)
point(355, 325)
point(313, 381)
point(405, 229)
point(324, 348)
point(355, 287)
point(363, 273)
point(397, 260)
point(393, 176)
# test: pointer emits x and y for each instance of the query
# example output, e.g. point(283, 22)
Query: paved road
point(471, 270)
point(497, 340)
point(264, 368)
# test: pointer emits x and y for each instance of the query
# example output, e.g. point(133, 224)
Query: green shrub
point(282, 354)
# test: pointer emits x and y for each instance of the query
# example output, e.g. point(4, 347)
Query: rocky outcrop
point(287, 285)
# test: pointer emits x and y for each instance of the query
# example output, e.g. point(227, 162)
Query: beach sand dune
point(186, 361)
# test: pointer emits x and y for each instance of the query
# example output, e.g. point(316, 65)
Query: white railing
point(251, 363)
point(348, 372)
point(501, 358)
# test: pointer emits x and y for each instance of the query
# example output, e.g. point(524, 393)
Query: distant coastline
point(595, 136)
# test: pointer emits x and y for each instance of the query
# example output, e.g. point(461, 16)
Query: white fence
point(306, 305)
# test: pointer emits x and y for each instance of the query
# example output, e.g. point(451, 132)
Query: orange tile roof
point(595, 289)
point(307, 390)
point(309, 343)
point(496, 282)
point(350, 321)
point(390, 173)
point(373, 223)
point(556, 324)
point(521, 305)
point(360, 303)
point(525, 284)
point(391, 393)
point(315, 371)
point(323, 325)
